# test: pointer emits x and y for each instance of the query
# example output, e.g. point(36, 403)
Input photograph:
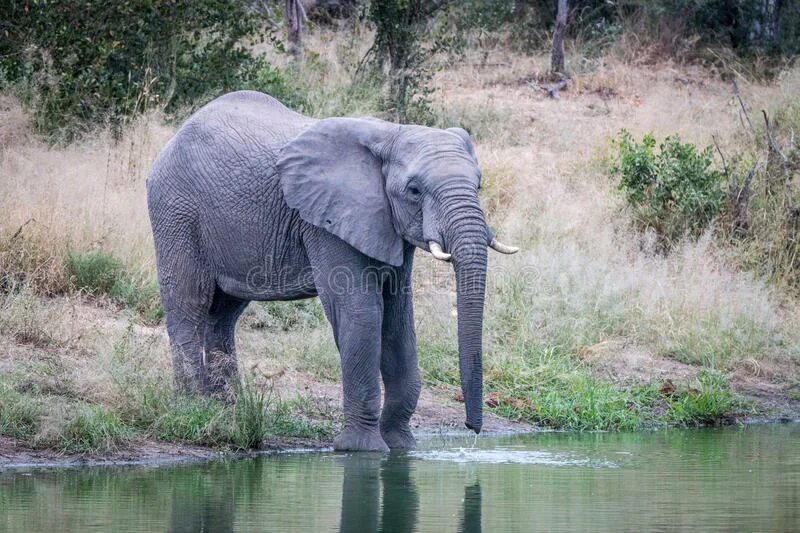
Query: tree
point(295, 18)
point(400, 31)
point(82, 62)
point(557, 67)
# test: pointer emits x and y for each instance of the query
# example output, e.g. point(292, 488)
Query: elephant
point(251, 201)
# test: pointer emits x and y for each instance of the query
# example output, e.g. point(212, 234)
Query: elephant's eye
point(413, 190)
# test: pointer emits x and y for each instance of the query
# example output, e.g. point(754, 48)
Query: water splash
point(506, 456)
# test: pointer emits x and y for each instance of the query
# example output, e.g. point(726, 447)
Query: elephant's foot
point(359, 440)
point(399, 438)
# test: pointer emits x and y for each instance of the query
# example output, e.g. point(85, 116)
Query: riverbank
point(310, 404)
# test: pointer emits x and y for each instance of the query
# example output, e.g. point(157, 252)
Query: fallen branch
point(19, 230)
point(721, 155)
point(774, 147)
point(552, 88)
point(744, 107)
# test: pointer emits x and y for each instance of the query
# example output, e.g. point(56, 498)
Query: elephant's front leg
point(357, 329)
point(351, 294)
point(399, 366)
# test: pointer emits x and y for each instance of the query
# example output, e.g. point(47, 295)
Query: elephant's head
point(376, 184)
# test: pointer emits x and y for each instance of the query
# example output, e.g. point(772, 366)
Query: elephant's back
point(236, 137)
point(253, 112)
point(247, 121)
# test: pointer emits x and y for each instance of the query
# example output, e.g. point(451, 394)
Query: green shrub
point(763, 219)
point(280, 84)
point(585, 403)
point(141, 295)
point(102, 274)
point(672, 191)
point(81, 62)
point(709, 404)
point(95, 272)
point(194, 420)
point(288, 316)
point(93, 429)
point(300, 417)
point(251, 419)
point(401, 29)
point(20, 416)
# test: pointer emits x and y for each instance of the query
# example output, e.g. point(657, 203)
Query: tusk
point(437, 251)
point(503, 248)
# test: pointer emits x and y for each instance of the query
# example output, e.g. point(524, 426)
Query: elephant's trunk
point(465, 234)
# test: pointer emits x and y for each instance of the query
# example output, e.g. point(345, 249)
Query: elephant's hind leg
point(222, 372)
point(187, 293)
point(186, 326)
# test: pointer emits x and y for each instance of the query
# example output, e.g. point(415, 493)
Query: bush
point(82, 62)
point(400, 30)
point(709, 404)
point(102, 274)
point(763, 216)
point(95, 272)
point(673, 192)
point(20, 416)
point(32, 264)
point(194, 420)
point(141, 295)
point(251, 420)
point(93, 429)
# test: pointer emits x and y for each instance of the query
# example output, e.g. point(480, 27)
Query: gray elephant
point(252, 201)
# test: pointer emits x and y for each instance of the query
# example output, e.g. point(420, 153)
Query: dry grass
point(85, 196)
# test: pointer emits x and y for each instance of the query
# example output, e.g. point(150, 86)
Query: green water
point(734, 479)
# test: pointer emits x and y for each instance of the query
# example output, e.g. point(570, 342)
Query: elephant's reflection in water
point(202, 500)
point(379, 494)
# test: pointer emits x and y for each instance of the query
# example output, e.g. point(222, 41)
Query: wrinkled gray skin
point(252, 201)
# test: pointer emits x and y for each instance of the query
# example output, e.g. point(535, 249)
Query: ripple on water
point(505, 456)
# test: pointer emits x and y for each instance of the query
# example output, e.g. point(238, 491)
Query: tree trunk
point(557, 68)
point(295, 18)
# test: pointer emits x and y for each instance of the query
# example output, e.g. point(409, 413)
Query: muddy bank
point(433, 417)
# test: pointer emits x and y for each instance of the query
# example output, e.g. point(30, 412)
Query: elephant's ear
point(461, 132)
point(332, 174)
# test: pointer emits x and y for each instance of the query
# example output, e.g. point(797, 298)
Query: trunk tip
point(474, 427)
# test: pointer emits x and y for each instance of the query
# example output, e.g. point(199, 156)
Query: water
point(745, 479)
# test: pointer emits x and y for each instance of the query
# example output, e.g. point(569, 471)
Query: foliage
point(400, 27)
point(102, 274)
point(763, 216)
point(743, 25)
point(672, 27)
point(29, 263)
point(673, 192)
point(583, 404)
point(195, 420)
point(294, 418)
point(93, 429)
point(19, 415)
point(96, 272)
point(286, 316)
point(251, 419)
point(709, 404)
point(281, 85)
point(88, 61)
